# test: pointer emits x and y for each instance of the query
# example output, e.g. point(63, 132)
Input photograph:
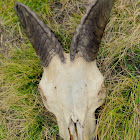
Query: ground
point(22, 113)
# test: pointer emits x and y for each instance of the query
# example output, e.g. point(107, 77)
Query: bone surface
point(73, 91)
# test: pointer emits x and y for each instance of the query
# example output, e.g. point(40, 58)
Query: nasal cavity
point(71, 136)
point(75, 126)
point(74, 130)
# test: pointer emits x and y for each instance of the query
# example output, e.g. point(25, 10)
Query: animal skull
point(72, 86)
point(73, 91)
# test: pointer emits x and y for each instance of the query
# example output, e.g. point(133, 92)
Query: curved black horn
point(42, 38)
point(89, 32)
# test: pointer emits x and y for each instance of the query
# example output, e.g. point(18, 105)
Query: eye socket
point(39, 89)
point(42, 94)
point(102, 89)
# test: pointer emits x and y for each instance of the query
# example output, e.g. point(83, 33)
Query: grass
point(22, 113)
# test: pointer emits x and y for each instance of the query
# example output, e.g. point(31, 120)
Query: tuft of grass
point(22, 113)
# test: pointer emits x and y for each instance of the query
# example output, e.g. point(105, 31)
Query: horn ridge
point(89, 32)
point(40, 35)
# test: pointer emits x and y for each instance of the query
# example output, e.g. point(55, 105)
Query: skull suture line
point(72, 86)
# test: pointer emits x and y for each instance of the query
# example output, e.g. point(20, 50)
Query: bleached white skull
point(72, 86)
point(73, 91)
